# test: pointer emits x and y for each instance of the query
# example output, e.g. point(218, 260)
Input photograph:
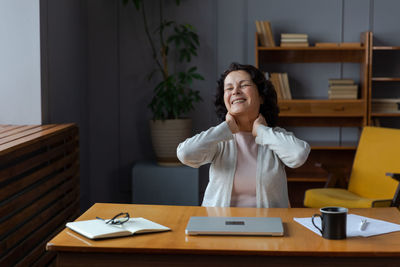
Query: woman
point(247, 152)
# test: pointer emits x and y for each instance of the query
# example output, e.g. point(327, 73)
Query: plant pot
point(166, 136)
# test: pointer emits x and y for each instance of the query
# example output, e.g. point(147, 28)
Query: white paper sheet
point(373, 227)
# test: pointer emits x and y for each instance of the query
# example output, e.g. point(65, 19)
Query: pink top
point(244, 183)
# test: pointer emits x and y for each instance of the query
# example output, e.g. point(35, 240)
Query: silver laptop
point(265, 226)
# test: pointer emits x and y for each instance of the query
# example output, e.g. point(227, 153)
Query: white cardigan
point(276, 148)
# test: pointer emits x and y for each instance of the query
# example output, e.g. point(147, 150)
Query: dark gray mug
point(333, 222)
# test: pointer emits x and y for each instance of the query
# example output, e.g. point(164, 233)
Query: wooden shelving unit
point(374, 82)
point(310, 54)
point(333, 157)
point(385, 79)
point(321, 112)
point(385, 47)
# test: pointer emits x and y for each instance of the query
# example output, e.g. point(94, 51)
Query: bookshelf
point(321, 112)
point(336, 158)
point(378, 80)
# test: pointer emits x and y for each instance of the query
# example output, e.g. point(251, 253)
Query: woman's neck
point(245, 123)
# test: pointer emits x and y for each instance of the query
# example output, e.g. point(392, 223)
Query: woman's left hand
point(259, 121)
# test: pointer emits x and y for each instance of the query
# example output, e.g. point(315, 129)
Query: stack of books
point(281, 83)
point(264, 33)
point(294, 39)
point(389, 105)
point(342, 89)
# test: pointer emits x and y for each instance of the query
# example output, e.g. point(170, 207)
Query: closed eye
point(228, 88)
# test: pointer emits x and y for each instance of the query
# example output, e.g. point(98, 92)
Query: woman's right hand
point(231, 123)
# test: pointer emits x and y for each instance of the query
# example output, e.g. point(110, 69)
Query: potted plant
point(173, 95)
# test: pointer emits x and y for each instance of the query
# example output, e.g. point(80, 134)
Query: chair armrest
point(336, 175)
point(395, 176)
point(382, 203)
point(396, 197)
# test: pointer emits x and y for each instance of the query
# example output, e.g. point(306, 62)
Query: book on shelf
point(275, 82)
point(282, 86)
point(340, 81)
point(268, 30)
point(99, 229)
point(280, 81)
point(344, 87)
point(294, 39)
point(286, 85)
point(294, 35)
point(342, 96)
point(296, 44)
point(260, 34)
point(391, 105)
point(264, 33)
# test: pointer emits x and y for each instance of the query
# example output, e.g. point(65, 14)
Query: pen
point(363, 224)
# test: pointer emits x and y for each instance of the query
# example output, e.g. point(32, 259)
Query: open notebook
point(97, 229)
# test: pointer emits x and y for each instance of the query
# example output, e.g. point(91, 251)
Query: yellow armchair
point(369, 186)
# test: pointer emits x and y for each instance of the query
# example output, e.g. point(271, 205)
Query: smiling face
point(241, 95)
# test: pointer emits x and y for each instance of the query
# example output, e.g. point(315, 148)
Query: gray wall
point(98, 60)
point(64, 65)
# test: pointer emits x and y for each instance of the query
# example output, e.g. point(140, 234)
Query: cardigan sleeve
point(201, 148)
point(292, 151)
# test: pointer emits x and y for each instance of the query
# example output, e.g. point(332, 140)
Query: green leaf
point(173, 95)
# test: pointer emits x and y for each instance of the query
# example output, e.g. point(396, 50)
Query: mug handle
point(312, 220)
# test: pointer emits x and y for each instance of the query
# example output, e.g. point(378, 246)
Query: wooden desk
point(298, 246)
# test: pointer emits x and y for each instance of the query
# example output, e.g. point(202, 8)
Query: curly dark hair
point(269, 109)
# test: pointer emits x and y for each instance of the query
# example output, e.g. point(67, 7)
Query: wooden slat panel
point(14, 130)
point(27, 132)
point(19, 218)
point(47, 258)
point(32, 195)
point(32, 138)
point(6, 128)
point(31, 224)
point(39, 254)
point(63, 134)
point(34, 161)
point(31, 242)
point(19, 185)
point(39, 189)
